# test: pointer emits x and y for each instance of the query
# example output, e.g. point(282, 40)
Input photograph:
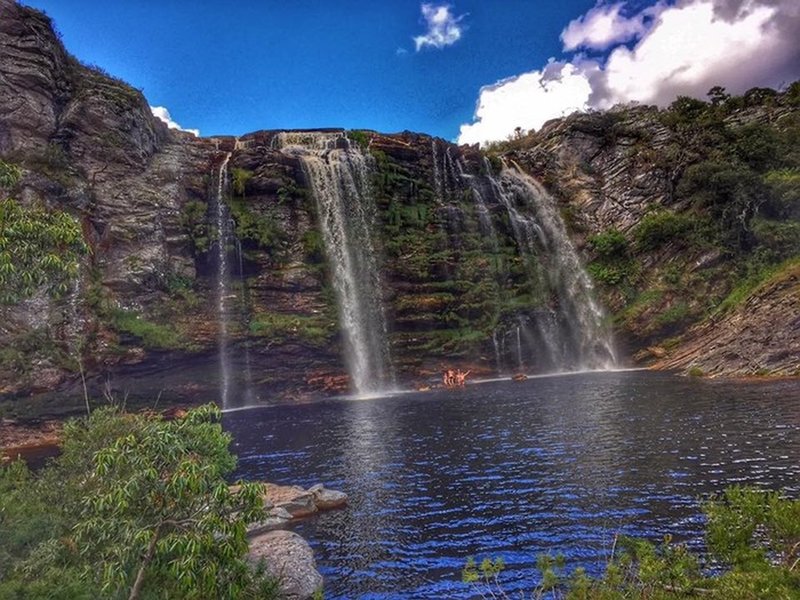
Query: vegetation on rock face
point(459, 283)
point(151, 334)
point(39, 248)
point(279, 327)
point(727, 215)
point(753, 541)
point(135, 507)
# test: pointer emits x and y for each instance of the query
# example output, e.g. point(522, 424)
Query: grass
point(281, 327)
point(751, 284)
point(151, 334)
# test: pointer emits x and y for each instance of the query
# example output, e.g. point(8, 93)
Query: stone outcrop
point(288, 558)
point(285, 555)
point(286, 504)
point(760, 337)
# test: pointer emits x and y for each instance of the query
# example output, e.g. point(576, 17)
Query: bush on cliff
point(136, 507)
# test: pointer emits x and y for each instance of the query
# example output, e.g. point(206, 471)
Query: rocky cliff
point(690, 222)
point(463, 265)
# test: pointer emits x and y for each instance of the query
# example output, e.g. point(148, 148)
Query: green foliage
point(9, 175)
point(610, 243)
point(675, 314)
point(730, 192)
point(755, 535)
point(696, 372)
point(784, 197)
point(193, 219)
point(662, 226)
point(758, 146)
point(38, 249)
point(359, 137)
point(607, 273)
point(257, 227)
point(748, 285)
point(614, 264)
point(239, 178)
point(684, 111)
point(280, 327)
point(314, 247)
point(135, 507)
point(152, 335)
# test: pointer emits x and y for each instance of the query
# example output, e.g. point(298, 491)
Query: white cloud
point(604, 26)
point(506, 105)
point(443, 27)
point(683, 49)
point(162, 113)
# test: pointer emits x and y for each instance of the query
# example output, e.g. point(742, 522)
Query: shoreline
point(35, 439)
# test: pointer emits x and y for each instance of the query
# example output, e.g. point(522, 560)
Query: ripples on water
point(515, 469)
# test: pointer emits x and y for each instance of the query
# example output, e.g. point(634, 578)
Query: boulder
point(292, 498)
point(325, 499)
point(288, 558)
point(277, 518)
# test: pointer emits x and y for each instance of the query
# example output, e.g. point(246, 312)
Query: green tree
point(142, 509)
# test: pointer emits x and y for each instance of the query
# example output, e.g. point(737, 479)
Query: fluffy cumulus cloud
point(162, 113)
point(443, 27)
point(650, 57)
point(604, 26)
point(557, 90)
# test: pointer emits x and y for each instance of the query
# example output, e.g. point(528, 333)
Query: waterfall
point(582, 341)
point(224, 231)
point(338, 175)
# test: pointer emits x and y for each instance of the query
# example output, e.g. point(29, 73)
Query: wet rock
point(288, 558)
point(326, 499)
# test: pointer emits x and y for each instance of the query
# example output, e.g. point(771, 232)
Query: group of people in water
point(455, 378)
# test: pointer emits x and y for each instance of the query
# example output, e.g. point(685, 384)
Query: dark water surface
point(556, 464)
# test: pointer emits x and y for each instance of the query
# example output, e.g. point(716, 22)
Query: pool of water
point(514, 469)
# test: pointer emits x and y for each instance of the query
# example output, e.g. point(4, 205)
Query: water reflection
point(514, 469)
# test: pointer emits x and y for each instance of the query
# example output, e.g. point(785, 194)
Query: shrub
point(359, 137)
point(281, 327)
point(752, 538)
point(662, 226)
point(9, 174)
point(610, 243)
point(609, 273)
point(136, 506)
point(193, 219)
point(239, 179)
point(38, 249)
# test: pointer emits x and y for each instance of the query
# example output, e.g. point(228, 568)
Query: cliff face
point(690, 223)
point(462, 258)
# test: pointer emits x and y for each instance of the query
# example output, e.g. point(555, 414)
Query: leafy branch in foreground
point(135, 507)
point(753, 542)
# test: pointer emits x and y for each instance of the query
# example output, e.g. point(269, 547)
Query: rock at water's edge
point(287, 557)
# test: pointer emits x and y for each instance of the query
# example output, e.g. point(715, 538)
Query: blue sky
point(234, 67)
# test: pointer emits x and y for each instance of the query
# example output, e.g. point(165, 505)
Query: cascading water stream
point(338, 175)
point(585, 341)
point(223, 279)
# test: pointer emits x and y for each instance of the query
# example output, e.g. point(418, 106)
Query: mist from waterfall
point(337, 174)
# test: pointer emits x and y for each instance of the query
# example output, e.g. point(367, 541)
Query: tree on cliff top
point(135, 507)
